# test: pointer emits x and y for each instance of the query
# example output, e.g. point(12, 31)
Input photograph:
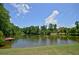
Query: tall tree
point(77, 24)
point(51, 28)
point(55, 26)
point(44, 29)
point(4, 19)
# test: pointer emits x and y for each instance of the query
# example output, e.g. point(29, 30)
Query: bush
point(1, 38)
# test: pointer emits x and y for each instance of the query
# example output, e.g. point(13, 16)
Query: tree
point(72, 31)
point(26, 30)
point(51, 27)
point(77, 24)
point(63, 30)
point(37, 30)
point(4, 20)
point(32, 30)
point(1, 38)
point(8, 29)
point(44, 29)
point(55, 28)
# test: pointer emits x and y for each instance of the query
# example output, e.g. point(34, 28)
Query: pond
point(36, 41)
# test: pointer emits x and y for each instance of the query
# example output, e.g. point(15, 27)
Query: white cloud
point(51, 19)
point(21, 8)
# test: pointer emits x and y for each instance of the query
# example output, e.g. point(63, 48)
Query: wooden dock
point(9, 39)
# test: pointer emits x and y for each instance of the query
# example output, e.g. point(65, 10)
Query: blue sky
point(36, 13)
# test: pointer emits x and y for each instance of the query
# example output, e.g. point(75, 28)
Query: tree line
point(43, 30)
point(52, 29)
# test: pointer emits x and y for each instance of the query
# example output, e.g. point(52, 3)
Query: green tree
point(51, 27)
point(77, 24)
point(1, 38)
point(4, 20)
point(26, 30)
point(72, 31)
point(44, 29)
point(55, 26)
point(32, 30)
point(63, 30)
point(37, 30)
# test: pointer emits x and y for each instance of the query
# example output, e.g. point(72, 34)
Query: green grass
point(71, 49)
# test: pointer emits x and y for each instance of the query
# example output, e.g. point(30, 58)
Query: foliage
point(77, 24)
point(31, 30)
point(4, 19)
point(8, 29)
point(1, 38)
point(43, 30)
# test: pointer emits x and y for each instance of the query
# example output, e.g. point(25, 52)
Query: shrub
point(1, 38)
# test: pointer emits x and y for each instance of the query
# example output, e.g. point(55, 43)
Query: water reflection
point(33, 41)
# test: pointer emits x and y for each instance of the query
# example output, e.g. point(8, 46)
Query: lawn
point(71, 49)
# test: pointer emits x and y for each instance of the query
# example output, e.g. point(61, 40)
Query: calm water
point(34, 41)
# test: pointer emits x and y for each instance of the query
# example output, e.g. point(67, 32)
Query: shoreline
point(66, 49)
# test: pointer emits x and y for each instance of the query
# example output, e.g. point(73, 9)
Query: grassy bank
point(46, 50)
